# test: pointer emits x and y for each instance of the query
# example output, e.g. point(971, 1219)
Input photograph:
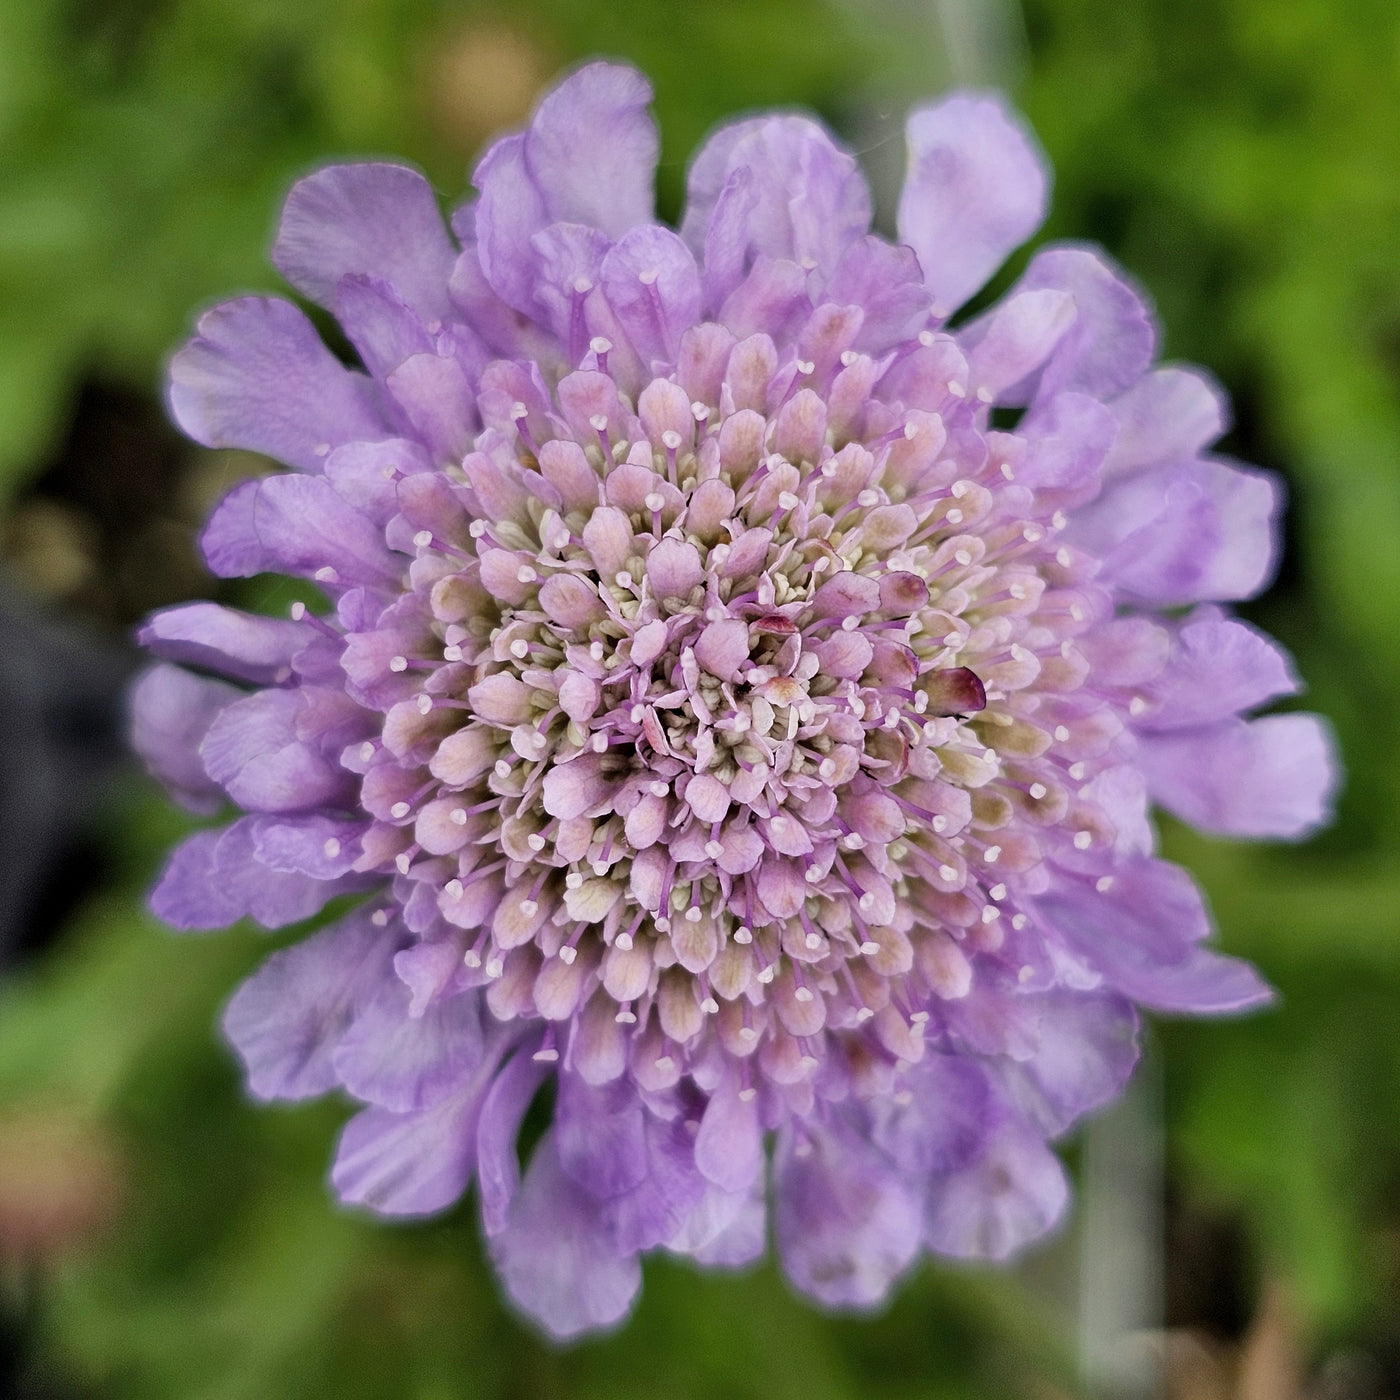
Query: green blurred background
point(161, 1238)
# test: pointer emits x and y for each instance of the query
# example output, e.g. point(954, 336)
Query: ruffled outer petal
point(591, 148)
point(1142, 933)
point(287, 1018)
point(1272, 777)
point(1010, 1196)
point(240, 645)
point(370, 220)
point(410, 1163)
point(257, 377)
point(975, 190)
point(775, 186)
point(847, 1225)
point(171, 711)
point(214, 878)
point(556, 1258)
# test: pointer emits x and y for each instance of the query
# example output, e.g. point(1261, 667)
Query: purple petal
point(1218, 668)
point(726, 1231)
point(372, 220)
point(402, 1062)
point(434, 393)
point(1168, 416)
point(314, 844)
point(410, 1163)
point(257, 377)
point(803, 200)
point(887, 284)
point(654, 1210)
point(1111, 343)
point(653, 285)
point(241, 645)
point(1086, 1050)
point(976, 190)
point(287, 1018)
point(847, 1226)
point(253, 751)
point(1015, 339)
point(508, 214)
point(1200, 531)
point(1142, 934)
point(214, 879)
point(600, 1136)
point(1068, 439)
point(498, 1165)
point(305, 525)
point(554, 1255)
point(380, 323)
point(729, 1145)
point(171, 711)
point(1270, 778)
point(1013, 1194)
point(944, 1122)
point(591, 149)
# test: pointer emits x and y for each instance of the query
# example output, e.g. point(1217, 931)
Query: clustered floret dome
point(721, 716)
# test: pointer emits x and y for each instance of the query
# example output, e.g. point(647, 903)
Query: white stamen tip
point(743, 934)
point(423, 539)
point(947, 873)
point(399, 810)
point(398, 663)
point(1083, 840)
point(380, 918)
point(600, 345)
point(424, 704)
point(567, 955)
point(803, 994)
point(671, 440)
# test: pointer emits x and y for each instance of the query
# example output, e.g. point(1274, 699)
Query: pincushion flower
point(727, 712)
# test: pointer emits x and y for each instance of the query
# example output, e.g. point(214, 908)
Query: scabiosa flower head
point(725, 716)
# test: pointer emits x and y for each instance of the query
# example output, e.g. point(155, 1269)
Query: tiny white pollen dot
point(424, 704)
point(402, 862)
point(1077, 771)
point(803, 994)
point(947, 872)
point(1063, 557)
point(573, 880)
point(1104, 883)
point(743, 934)
point(501, 768)
point(869, 948)
point(298, 611)
point(379, 918)
point(1083, 840)
point(366, 751)
point(670, 439)
point(1061, 734)
point(693, 915)
point(398, 663)
point(1019, 921)
point(813, 941)
point(992, 854)
point(990, 914)
point(624, 942)
point(529, 907)
point(1038, 790)
point(423, 539)
point(600, 345)
point(471, 958)
point(399, 809)
point(567, 955)
point(458, 816)
point(599, 422)
point(956, 389)
point(331, 848)
point(495, 967)
point(997, 892)
point(714, 850)
point(453, 889)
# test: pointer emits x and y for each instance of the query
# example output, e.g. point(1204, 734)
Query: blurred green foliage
point(1241, 157)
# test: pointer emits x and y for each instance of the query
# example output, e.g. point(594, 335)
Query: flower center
point(727, 722)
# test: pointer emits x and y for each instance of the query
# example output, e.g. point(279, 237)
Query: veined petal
point(369, 220)
point(975, 190)
point(1271, 777)
point(256, 376)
